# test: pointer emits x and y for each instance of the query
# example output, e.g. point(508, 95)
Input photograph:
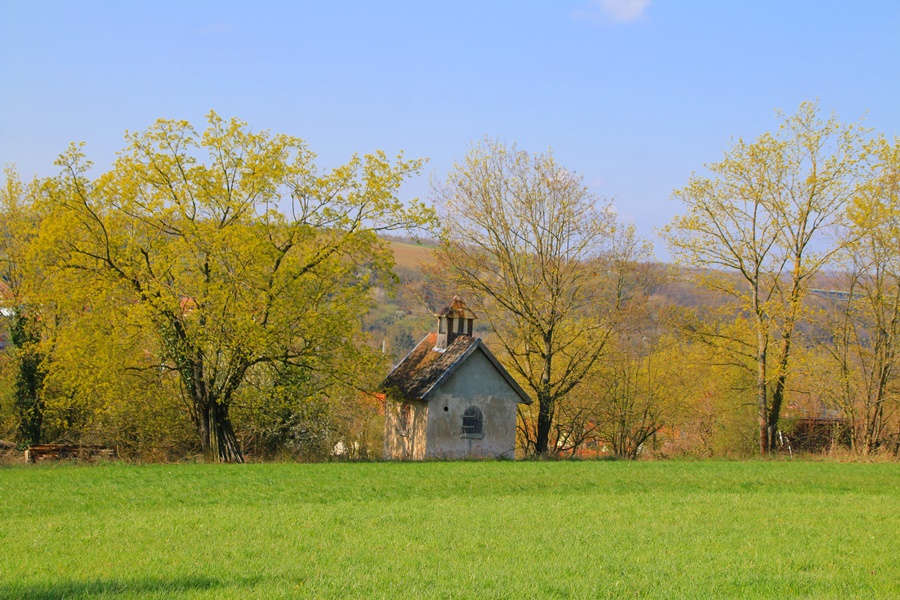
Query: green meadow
point(452, 530)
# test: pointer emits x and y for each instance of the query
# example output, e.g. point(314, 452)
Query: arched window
point(473, 422)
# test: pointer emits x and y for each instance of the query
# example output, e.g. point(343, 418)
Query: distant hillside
point(411, 254)
point(673, 289)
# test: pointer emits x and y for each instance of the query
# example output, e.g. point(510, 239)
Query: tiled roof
point(456, 309)
point(424, 368)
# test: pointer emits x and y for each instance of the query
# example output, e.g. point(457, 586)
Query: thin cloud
point(616, 11)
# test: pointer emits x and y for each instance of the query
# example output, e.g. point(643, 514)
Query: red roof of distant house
point(187, 304)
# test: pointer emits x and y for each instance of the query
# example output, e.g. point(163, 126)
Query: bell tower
point(453, 321)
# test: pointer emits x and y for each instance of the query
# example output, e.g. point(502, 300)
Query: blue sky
point(632, 94)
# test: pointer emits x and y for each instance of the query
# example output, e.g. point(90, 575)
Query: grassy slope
point(506, 530)
point(411, 255)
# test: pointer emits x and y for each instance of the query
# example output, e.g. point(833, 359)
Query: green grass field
point(452, 530)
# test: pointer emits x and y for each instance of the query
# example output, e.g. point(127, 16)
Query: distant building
point(6, 313)
point(832, 294)
point(450, 397)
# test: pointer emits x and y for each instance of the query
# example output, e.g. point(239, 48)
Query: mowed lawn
point(452, 530)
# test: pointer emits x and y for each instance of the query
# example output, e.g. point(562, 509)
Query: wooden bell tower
point(453, 321)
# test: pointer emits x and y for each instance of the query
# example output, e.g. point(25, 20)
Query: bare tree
point(536, 251)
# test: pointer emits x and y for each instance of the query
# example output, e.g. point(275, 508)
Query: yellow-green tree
point(231, 250)
point(754, 227)
point(862, 320)
point(18, 226)
point(103, 384)
point(717, 358)
point(78, 367)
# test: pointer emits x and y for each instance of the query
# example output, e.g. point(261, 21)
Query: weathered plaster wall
point(409, 445)
point(475, 383)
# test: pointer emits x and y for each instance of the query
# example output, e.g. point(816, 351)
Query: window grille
point(472, 422)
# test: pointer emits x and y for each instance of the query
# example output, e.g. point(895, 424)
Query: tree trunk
point(761, 391)
point(544, 422)
point(223, 445)
point(545, 402)
point(875, 417)
point(897, 443)
point(778, 392)
point(217, 437)
point(202, 410)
